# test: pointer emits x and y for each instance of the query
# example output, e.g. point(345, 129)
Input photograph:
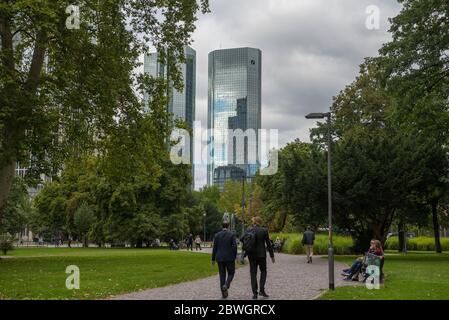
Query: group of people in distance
point(190, 241)
point(174, 245)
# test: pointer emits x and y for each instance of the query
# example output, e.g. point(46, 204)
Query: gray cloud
point(311, 49)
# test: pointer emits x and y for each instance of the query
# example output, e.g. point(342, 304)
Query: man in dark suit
point(258, 257)
point(224, 253)
point(189, 242)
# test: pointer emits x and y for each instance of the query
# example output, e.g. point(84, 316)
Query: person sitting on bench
point(353, 272)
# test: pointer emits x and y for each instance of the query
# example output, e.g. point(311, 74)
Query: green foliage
point(83, 220)
point(6, 243)
point(292, 243)
point(231, 197)
point(50, 217)
point(18, 209)
point(381, 170)
point(205, 201)
point(87, 201)
point(417, 73)
point(417, 244)
point(69, 92)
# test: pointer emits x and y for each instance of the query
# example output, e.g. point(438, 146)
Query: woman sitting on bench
point(353, 272)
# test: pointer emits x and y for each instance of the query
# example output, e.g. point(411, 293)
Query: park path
point(290, 278)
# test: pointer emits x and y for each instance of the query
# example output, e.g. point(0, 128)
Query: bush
point(292, 243)
point(6, 244)
point(392, 243)
point(417, 244)
point(343, 245)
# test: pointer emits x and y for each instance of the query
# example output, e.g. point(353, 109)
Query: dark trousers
point(190, 246)
point(224, 267)
point(262, 264)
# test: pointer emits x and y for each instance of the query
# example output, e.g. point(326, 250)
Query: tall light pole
point(204, 226)
point(243, 202)
point(182, 225)
point(329, 192)
point(182, 228)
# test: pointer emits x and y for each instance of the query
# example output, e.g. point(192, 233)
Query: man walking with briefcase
point(256, 241)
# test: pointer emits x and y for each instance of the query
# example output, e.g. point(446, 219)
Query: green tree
point(417, 74)
point(6, 243)
point(382, 167)
point(298, 188)
point(83, 220)
point(417, 60)
point(50, 219)
point(18, 209)
point(64, 90)
point(205, 201)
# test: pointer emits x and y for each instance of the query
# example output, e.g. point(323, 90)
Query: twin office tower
point(234, 102)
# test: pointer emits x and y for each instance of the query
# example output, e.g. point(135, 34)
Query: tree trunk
point(8, 169)
point(402, 238)
point(6, 178)
point(283, 220)
point(85, 241)
point(436, 227)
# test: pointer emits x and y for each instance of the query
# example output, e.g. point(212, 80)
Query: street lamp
point(182, 225)
point(329, 192)
point(204, 227)
point(243, 202)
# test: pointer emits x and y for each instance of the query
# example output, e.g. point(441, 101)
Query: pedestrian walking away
point(308, 238)
point(224, 252)
point(198, 243)
point(189, 242)
point(256, 241)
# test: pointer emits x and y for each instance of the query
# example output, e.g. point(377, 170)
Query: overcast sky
point(311, 49)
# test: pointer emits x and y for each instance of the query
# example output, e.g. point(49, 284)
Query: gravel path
point(290, 278)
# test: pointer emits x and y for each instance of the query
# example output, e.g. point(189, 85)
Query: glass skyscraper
point(234, 102)
point(180, 104)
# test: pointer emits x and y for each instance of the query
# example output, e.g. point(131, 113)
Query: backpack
point(249, 241)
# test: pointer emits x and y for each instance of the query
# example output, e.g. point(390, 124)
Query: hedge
point(292, 243)
point(343, 244)
point(417, 244)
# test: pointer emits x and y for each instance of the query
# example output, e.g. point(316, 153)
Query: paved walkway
point(290, 278)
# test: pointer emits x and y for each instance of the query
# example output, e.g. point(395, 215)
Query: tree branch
point(24, 31)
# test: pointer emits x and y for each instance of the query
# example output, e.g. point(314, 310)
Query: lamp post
point(329, 192)
point(182, 225)
point(204, 226)
point(243, 202)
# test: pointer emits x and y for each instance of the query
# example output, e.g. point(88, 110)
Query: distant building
point(227, 173)
point(234, 102)
point(181, 103)
point(34, 190)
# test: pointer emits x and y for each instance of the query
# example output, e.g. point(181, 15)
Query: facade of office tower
point(234, 103)
point(181, 103)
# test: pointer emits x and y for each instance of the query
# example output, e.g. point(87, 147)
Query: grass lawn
point(417, 275)
point(39, 273)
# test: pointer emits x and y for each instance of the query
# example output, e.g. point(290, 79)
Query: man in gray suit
point(224, 253)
